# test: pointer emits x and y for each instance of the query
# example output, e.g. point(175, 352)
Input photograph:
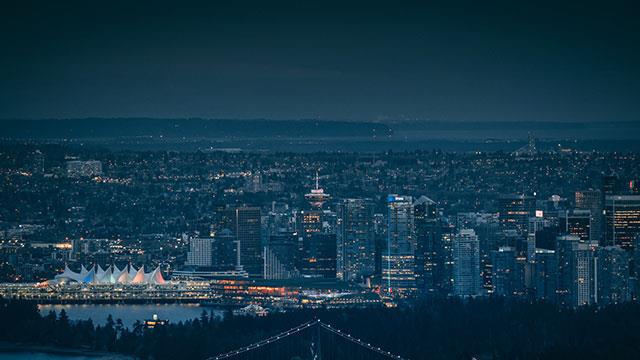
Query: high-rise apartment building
point(356, 239)
point(398, 262)
point(466, 264)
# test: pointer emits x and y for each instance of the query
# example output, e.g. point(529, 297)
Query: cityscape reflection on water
point(130, 313)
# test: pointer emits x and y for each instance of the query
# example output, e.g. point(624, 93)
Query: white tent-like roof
point(113, 275)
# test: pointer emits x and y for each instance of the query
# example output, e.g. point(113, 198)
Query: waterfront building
point(246, 225)
point(225, 251)
point(318, 257)
point(281, 257)
point(200, 252)
point(111, 276)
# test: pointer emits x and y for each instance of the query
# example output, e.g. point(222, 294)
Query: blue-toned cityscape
point(319, 180)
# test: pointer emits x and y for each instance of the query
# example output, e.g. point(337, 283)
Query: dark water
point(98, 313)
point(26, 355)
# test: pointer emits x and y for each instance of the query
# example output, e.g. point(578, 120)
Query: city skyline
point(328, 180)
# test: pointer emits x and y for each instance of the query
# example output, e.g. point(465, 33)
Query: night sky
point(465, 61)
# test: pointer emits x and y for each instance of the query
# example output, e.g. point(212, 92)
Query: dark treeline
point(441, 329)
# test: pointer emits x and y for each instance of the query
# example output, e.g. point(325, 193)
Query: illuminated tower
point(317, 196)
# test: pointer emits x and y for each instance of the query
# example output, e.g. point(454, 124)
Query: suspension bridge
point(313, 340)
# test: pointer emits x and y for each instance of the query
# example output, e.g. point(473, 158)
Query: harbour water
point(29, 355)
point(130, 313)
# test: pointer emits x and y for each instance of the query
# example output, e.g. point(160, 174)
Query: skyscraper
point(515, 211)
point(546, 275)
point(356, 241)
point(429, 251)
point(576, 271)
point(398, 272)
point(225, 251)
point(592, 200)
point(612, 275)
point(503, 263)
point(318, 258)
point(622, 220)
point(466, 264)
point(280, 257)
point(247, 229)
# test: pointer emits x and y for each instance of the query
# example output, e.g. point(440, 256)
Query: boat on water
point(155, 322)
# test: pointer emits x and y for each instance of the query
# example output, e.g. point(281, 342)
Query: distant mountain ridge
point(193, 128)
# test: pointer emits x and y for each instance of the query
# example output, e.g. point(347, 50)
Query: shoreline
point(8, 347)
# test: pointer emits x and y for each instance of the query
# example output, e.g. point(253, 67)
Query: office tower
point(576, 271)
point(504, 271)
point(487, 227)
point(612, 275)
point(356, 239)
point(89, 168)
point(564, 246)
point(622, 220)
point(515, 211)
point(318, 257)
point(546, 275)
point(280, 219)
point(592, 200)
point(280, 257)
point(309, 222)
point(225, 251)
point(428, 232)
point(576, 222)
point(466, 264)
point(245, 223)
point(379, 232)
point(398, 262)
point(200, 252)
